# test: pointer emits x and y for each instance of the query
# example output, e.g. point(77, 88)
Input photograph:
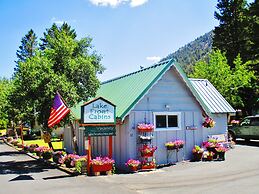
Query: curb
point(61, 168)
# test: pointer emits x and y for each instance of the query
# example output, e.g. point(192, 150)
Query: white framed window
point(167, 121)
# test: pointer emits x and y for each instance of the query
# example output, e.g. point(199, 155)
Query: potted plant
point(44, 152)
point(69, 160)
point(174, 145)
point(147, 150)
point(143, 127)
point(197, 152)
point(145, 165)
point(208, 122)
point(208, 156)
point(210, 145)
point(80, 164)
point(57, 157)
point(32, 147)
point(221, 152)
point(133, 164)
point(47, 153)
point(101, 164)
point(9, 139)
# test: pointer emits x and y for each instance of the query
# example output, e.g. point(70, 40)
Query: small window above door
point(167, 121)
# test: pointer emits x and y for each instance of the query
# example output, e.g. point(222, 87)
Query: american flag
point(58, 111)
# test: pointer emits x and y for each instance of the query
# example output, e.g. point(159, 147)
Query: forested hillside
point(189, 54)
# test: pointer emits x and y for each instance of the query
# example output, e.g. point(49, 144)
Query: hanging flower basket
point(142, 127)
point(208, 122)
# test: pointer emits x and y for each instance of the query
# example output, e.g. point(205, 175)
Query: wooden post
point(89, 155)
point(110, 146)
point(22, 136)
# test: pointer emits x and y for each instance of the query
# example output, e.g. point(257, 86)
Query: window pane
point(172, 121)
point(160, 121)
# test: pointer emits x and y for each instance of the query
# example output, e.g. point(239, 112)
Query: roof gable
point(127, 90)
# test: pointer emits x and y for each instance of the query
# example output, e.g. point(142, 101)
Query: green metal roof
point(127, 90)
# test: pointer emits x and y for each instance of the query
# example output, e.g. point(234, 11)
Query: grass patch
point(56, 144)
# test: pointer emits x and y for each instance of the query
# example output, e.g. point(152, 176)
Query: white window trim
point(179, 121)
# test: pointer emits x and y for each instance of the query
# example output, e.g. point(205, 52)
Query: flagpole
point(66, 104)
point(72, 127)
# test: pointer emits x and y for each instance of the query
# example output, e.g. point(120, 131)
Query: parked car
point(247, 129)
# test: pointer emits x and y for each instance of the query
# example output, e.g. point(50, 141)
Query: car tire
point(231, 136)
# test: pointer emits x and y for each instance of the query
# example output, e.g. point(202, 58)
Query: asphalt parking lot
point(239, 173)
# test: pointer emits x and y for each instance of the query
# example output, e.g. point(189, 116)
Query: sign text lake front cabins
point(99, 112)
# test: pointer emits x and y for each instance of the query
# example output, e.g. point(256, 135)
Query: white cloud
point(115, 3)
point(153, 58)
point(135, 3)
point(60, 22)
point(57, 21)
point(112, 3)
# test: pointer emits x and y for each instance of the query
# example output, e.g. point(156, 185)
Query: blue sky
point(128, 33)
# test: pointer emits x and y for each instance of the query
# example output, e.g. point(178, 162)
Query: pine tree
point(231, 36)
point(28, 46)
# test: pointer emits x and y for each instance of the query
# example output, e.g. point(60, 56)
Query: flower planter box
point(150, 154)
point(147, 167)
point(101, 168)
point(145, 129)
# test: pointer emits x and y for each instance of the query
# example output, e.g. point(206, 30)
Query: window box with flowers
point(102, 164)
point(147, 150)
point(208, 122)
point(143, 127)
point(197, 152)
point(174, 145)
point(133, 165)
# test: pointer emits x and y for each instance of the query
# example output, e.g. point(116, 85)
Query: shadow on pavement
point(23, 167)
point(248, 143)
point(58, 177)
point(10, 153)
point(22, 178)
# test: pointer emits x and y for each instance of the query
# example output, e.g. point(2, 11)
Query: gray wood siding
point(100, 145)
point(169, 90)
